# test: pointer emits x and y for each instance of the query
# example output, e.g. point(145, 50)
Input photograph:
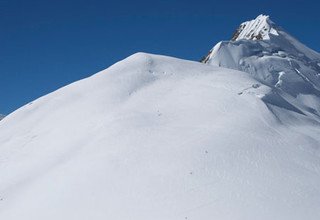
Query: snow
point(155, 137)
point(275, 59)
point(257, 29)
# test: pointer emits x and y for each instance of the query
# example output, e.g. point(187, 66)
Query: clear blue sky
point(46, 44)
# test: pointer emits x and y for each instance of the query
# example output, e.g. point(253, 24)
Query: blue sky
point(45, 45)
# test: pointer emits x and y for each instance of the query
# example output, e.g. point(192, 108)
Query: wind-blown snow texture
point(154, 137)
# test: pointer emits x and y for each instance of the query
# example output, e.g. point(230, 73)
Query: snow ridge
point(274, 58)
point(258, 29)
point(156, 137)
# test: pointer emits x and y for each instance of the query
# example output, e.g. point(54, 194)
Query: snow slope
point(154, 137)
point(275, 58)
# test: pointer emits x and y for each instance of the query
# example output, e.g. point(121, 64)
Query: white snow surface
point(260, 28)
point(278, 60)
point(159, 138)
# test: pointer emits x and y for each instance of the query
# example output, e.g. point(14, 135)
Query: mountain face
point(155, 137)
point(274, 58)
point(261, 28)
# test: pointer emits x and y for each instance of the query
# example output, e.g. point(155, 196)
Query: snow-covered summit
point(156, 137)
point(258, 29)
point(275, 58)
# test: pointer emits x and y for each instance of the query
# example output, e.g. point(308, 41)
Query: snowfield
point(160, 138)
point(154, 137)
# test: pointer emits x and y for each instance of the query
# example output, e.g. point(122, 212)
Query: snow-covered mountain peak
point(156, 137)
point(273, 57)
point(258, 29)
